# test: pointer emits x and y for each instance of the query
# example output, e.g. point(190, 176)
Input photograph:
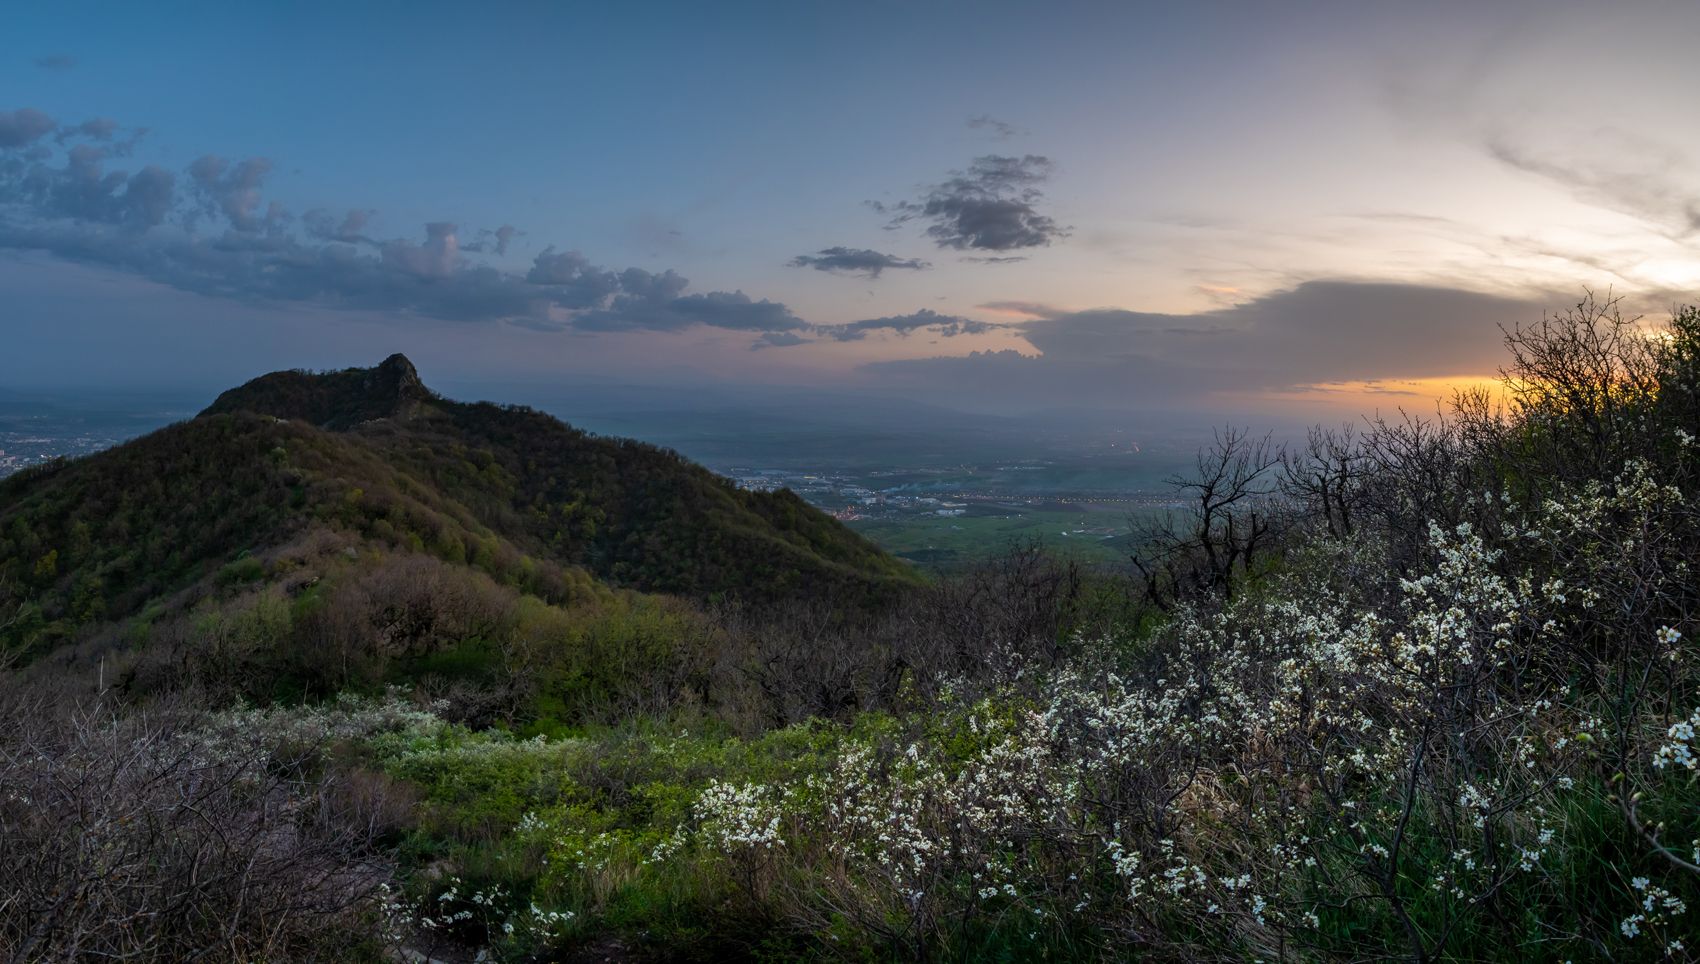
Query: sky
point(994, 206)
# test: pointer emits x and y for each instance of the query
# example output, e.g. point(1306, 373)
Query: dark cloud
point(81, 188)
point(778, 339)
point(992, 206)
point(1012, 259)
point(842, 260)
point(563, 267)
point(1318, 332)
point(719, 309)
point(437, 257)
point(104, 130)
point(56, 62)
point(651, 286)
point(95, 128)
point(734, 309)
point(22, 127)
point(148, 195)
point(496, 241)
point(796, 332)
point(998, 128)
point(233, 190)
point(576, 282)
point(350, 229)
point(925, 319)
point(211, 229)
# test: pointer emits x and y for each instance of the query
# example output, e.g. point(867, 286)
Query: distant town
point(949, 517)
point(853, 498)
point(20, 450)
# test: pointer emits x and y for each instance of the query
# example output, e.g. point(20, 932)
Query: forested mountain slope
point(375, 455)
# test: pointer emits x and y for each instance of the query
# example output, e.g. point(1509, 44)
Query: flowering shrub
point(1678, 748)
point(1393, 744)
point(1266, 776)
point(1456, 713)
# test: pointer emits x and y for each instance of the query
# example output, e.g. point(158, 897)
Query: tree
point(1327, 478)
point(1227, 519)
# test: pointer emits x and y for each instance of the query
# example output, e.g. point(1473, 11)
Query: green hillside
point(373, 455)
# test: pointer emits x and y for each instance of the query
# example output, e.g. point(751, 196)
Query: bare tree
point(1226, 521)
point(141, 837)
point(1012, 607)
point(802, 660)
point(1582, 378)
point(10, 657)
point(1328, 478)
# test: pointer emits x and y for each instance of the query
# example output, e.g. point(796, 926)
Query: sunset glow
point(1364, 193)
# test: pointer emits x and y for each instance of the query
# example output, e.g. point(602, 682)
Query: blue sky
point(1122, 201)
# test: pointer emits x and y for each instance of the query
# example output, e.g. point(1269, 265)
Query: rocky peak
point(334, 400)
point(396, 381)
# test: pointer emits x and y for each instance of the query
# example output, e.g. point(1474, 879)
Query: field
point(1096, 534)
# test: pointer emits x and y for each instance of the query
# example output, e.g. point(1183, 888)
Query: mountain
point(379, 461)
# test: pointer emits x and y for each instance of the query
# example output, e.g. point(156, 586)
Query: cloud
point(778, 339)
point(997, 128)
point(496, 241)
point(652, 286)
point(56, 62)
point(95, 128)
point(842, 260)
point(1012, 259)
point(576, 282)
point(233, 190)
point(147, 195)
point(1032, 309)
point(351, 229)
point(925, 319)
point(992, 206)
point(438, 257)
point(210, 229)
point(81, 188)
point(718, 309)
point(1317, 332)
point(1614, 170)
point(22, 127)
point(734, 309)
